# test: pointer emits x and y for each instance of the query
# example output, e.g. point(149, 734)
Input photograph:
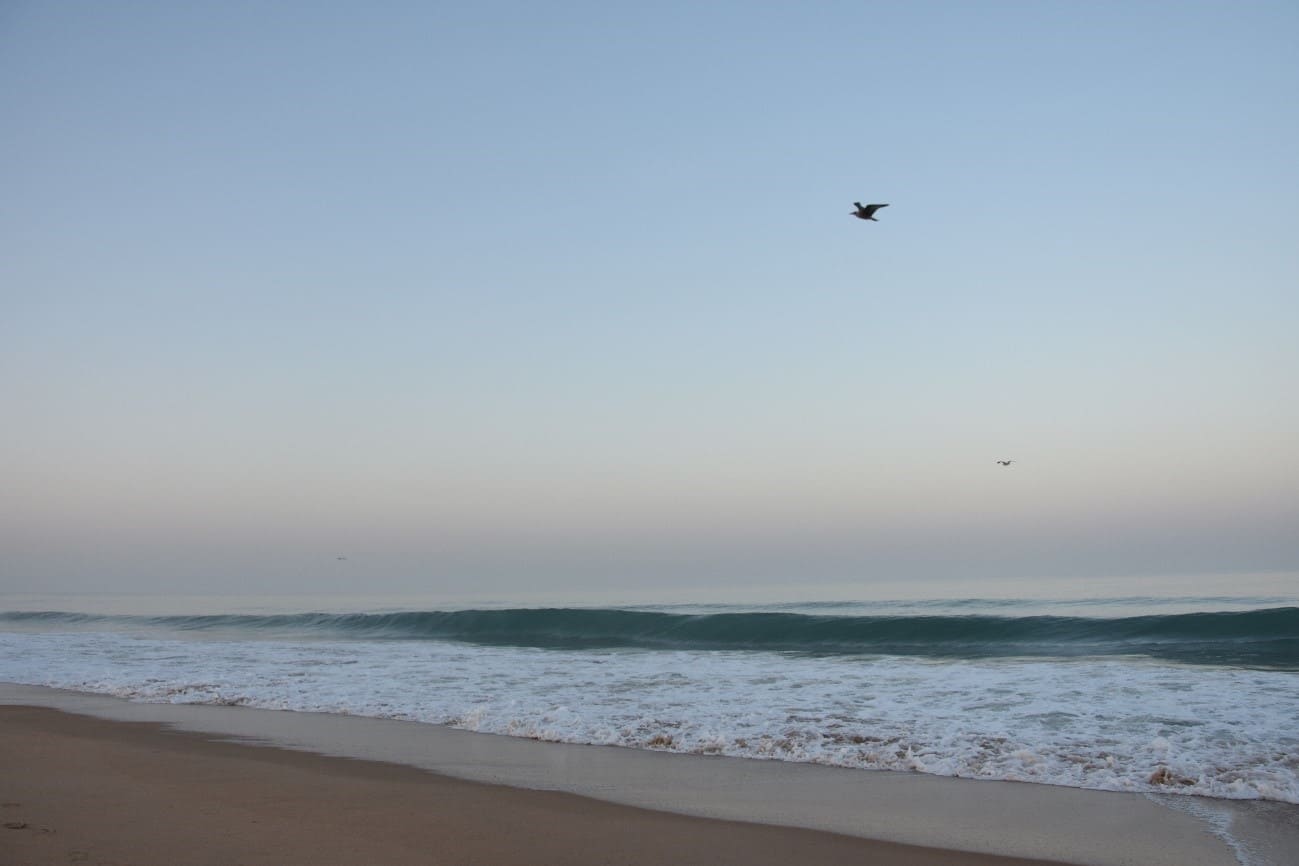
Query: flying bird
point(1005, 462)
point(867, 211)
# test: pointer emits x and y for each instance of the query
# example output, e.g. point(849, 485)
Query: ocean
point(1193, 694)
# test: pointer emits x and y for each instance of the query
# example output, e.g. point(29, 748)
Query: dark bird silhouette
point(1005, 462)
point(867, 211)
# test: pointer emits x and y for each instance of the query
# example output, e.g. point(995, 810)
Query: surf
point(1256, 638)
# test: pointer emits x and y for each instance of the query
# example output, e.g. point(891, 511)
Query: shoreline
point(1003, 819)
point(78, 788)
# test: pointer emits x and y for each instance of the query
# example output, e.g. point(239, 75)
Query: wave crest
point(1258, 638)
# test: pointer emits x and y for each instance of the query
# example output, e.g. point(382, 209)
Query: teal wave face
point(1259, 638)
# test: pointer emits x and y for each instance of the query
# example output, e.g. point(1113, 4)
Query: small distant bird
point(1005, 462)
point(867, 211)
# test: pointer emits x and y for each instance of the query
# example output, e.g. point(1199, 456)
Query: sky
point(567, 297)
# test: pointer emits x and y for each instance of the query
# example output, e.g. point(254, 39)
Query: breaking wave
point(1266, 638)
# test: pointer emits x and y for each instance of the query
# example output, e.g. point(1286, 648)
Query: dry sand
point(77, 789)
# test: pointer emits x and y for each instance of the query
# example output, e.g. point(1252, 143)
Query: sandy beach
point(77, 789)
point(676, 433)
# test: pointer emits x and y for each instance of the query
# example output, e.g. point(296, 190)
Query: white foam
point(1111, 724)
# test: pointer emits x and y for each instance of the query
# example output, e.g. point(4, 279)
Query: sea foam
point(1113, 722)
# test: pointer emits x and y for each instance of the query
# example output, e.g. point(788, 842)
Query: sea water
point(1183, 694)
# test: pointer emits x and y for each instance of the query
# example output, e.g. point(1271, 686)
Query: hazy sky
point(559, 296)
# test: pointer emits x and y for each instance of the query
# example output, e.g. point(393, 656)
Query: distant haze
point(525, 298)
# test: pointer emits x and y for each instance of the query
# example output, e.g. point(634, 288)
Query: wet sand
point(79, 789)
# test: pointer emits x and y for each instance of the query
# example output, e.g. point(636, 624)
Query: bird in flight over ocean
point(867, 211)
point(1005, 462)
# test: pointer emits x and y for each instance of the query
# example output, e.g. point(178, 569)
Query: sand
point(79, 789)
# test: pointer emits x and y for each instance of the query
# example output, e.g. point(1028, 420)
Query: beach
point(100, 780)
point(85, 790)
point(725, 433)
